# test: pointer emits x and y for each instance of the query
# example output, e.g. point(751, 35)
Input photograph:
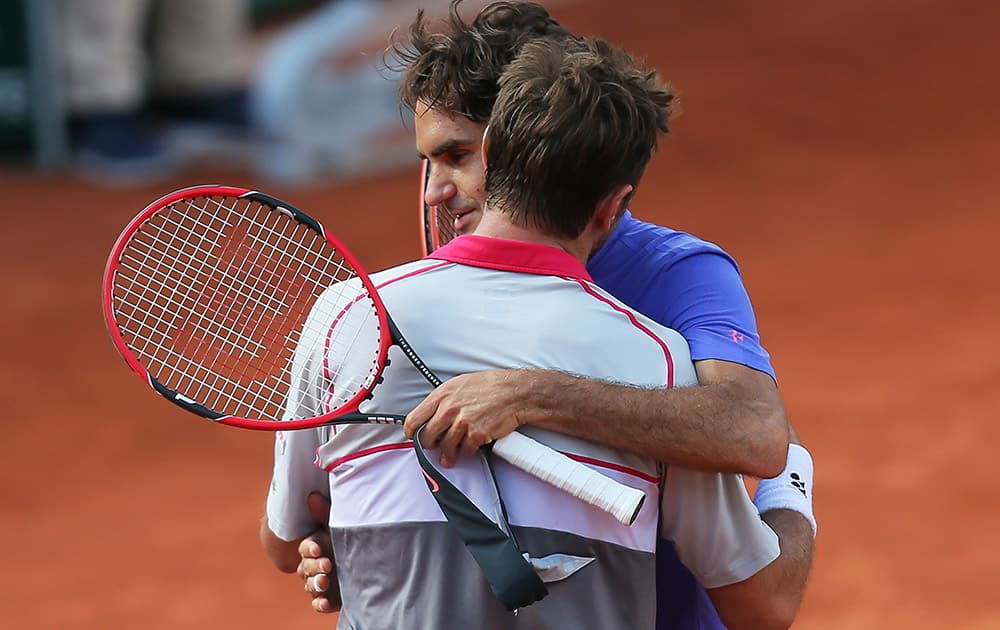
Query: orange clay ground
point(846, 153)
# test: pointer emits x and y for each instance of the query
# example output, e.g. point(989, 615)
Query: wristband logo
point(798, 484)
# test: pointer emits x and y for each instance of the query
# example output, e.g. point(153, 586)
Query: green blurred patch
point(15, 81)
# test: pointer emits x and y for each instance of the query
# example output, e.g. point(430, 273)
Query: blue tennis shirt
point(694, 287)
point(684, 283)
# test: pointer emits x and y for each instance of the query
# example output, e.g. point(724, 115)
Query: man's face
point(452, 144)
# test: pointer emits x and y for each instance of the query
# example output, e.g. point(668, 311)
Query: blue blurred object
point(320, 116)
point(119, 146)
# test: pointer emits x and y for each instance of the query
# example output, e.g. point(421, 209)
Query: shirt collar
point(505, 255)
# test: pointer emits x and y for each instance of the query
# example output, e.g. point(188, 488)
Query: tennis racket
point(209, 290)
point(437, 225)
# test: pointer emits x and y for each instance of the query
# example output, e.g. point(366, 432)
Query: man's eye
point(456, 157)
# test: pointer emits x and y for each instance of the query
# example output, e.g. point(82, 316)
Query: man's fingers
point(419, 416)
point(451, 444)
point(469, 446)
point(322, 605)
point(310, 566)
point(317, 584)
point(310, 547)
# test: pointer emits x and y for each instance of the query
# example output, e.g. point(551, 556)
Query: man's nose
point(439, 190)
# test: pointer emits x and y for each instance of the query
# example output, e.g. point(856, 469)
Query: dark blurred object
point(31, 115)
point(119, 143)
point(266, 11)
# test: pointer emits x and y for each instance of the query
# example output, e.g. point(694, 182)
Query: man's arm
point(733, 421)
point(311, 556)
point(283, 554)
point(316, 568)
point(727, 551)
point(772, 597)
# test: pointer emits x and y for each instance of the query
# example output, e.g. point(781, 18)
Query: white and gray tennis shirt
point(481, 303)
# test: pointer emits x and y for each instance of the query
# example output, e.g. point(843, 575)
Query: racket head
point(209, 290)
point(437, 224)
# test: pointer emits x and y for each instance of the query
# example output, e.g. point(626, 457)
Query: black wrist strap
point(513, 580)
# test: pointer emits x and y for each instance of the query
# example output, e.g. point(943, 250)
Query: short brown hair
point(457, 70)
point(574, 119)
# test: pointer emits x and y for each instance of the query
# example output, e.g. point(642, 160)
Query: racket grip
point(621, 501)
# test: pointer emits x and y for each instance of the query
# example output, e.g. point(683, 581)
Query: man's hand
point(470, 411)
point(316, 559)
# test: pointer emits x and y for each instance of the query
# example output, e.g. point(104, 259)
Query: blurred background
point(846, 153)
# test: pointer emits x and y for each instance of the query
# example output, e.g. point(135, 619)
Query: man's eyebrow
point(445, 147)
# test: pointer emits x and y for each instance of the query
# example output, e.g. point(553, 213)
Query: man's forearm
point(791, 568)
point(708, 427)
point(771, 598)
point(282, 553)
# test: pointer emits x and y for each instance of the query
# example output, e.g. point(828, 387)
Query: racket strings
point(212, 294)
point(352, 338)
point(230, 308)
point(444, 226)
point(204, 316)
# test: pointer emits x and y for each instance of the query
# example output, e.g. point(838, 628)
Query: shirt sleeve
point(718, 534)
point(294, 478)
point(712, 309)
point(295, 475)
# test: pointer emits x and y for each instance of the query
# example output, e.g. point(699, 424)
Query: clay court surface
point(847, 155)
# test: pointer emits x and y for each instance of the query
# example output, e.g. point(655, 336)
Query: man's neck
point(497, 225)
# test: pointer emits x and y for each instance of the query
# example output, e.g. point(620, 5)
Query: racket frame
point(183, 400)
point(428, 228)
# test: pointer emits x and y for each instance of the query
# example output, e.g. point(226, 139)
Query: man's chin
point(466, 223)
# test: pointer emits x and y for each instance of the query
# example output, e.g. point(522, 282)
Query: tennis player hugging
point(572, 130)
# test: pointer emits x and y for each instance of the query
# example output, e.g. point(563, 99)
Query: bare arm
point(283, 554)
point(733, 421)
point(772, 597)
point(286, 554)
point(316, 567)
point(311, 556)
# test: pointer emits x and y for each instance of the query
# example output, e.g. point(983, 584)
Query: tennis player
point(502, 295)
point(733, 421)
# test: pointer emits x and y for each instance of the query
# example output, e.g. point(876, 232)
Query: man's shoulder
point(665, 242)
point(404, 271)
point(647, 249)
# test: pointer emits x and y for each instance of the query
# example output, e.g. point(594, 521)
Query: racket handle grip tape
point(621, 501)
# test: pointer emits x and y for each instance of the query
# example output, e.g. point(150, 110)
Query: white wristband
point(792, 489)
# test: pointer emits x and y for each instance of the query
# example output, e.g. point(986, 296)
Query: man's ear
point(612, 207)
point(486, 133)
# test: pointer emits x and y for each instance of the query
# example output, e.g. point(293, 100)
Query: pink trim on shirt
point(504, 255)
point(613, 466)
point(600, 463)
point(364, 453)
point(416, 272)
point(635, 322)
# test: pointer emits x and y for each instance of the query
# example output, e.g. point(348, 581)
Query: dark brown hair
point(573, 120)
point(457, 69)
